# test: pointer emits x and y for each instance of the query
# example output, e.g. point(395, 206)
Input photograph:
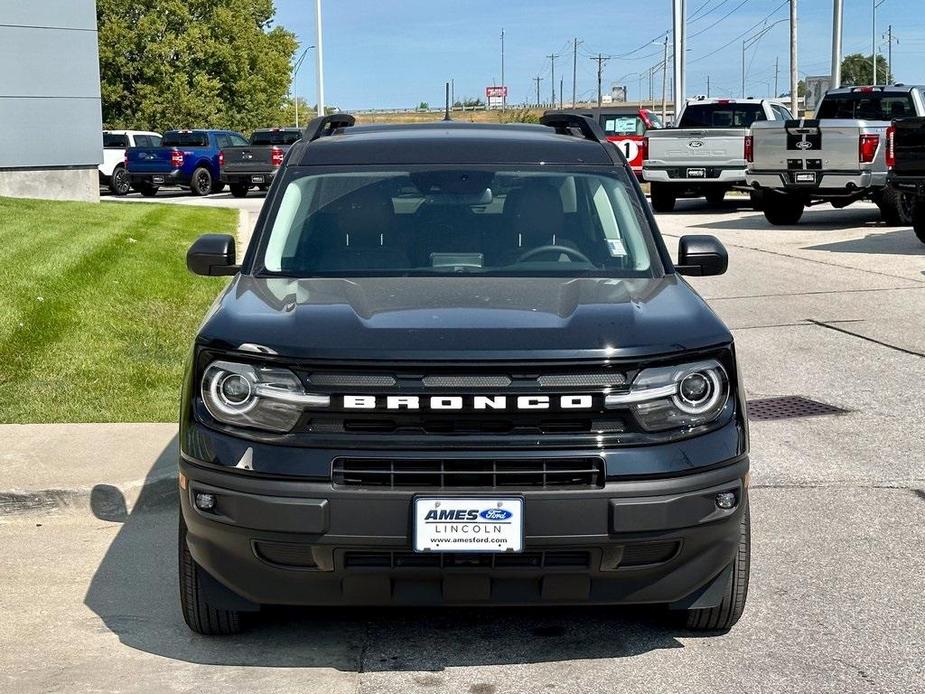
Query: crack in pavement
point(830, 326)
point(820, 292)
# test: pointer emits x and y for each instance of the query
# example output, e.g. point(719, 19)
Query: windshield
point(867, 106)
point(459, 221)
point(729, 115)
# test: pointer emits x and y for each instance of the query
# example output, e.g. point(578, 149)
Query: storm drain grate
point(789, 407)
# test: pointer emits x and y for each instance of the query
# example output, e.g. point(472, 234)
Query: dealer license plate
point(157, 179)
point(480, 524)
point(256, 179)
point(804, 177)
point(696, 173)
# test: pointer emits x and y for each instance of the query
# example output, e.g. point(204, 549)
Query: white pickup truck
point(705, 154)
point(115, 142)
point(839, 157)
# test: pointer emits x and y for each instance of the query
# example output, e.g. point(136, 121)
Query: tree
point(859, 69)
point(192, 63)
point(423, 106)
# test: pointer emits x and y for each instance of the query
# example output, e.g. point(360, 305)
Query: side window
point(155, 140)
point(223, 141)
point(780, 113)
point(143, 141)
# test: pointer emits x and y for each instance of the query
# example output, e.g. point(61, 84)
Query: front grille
point(437, 473)
point(436, 560)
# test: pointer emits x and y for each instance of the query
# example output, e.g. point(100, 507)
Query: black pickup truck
point(906, 159)
point(255, 164)
point(457, 365)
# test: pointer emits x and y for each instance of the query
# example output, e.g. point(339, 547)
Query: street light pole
point(295, 84)
point(838, 17)
point(319, 58)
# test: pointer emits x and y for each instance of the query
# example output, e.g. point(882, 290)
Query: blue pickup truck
point(186, 158)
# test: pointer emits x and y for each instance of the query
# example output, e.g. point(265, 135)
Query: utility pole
point(838, 18)
point(575, 43)
point(776, 73)
point(890, 39)
point(665, 82)
point(561, 92)
point(794, 68)
point(503, 89)
point(873, 37)
point(708, 86)
point(452, 92)
point(319, 58)
point(552, 59)
point(679, 32)
point(537, 79)
point(600, 71)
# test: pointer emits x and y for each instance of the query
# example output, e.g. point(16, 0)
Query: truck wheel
point(119, 182)
point(198, 614)
point(918, 219)
point(149, 190)
point(663, 197)
point(239, 190)
point(716, 197)
point(782, 209)
point(756, 197)
point(727, 613)
point(896, 208)
point(201, 182)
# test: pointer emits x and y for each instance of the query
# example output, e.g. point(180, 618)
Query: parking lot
point(830, 310)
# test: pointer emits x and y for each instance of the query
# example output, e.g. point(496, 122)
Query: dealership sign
point(495, 96)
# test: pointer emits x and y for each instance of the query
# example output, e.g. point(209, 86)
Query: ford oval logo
point(495, 514)
point(804, 144)
point(695, 144)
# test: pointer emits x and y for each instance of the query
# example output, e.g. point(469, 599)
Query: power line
point(736, 38)
point(721, 19)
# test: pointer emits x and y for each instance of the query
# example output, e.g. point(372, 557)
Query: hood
point(464, 318)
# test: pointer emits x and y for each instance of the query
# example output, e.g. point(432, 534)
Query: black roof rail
point(567, 123)
point(326, 125)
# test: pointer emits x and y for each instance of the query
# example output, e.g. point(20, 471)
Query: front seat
point(364, 234)
point(534, 217)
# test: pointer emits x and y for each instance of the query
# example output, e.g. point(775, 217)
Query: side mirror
point(212, 255)
point(701, 255)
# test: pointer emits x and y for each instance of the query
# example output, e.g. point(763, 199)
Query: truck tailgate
point(829, 144)
point(144, 160)
point(248, 159)
point(689, 147)
point(909, 147)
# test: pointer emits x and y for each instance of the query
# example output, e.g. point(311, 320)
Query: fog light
point(725, 500)
point(206, 502)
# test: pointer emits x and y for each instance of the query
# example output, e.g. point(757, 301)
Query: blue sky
point(397, 53)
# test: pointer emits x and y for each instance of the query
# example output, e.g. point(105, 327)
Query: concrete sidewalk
point(48, 467)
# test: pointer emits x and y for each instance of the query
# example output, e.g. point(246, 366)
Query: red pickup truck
point(626, 127)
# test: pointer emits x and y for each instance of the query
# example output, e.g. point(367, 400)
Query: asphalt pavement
point(832, 310)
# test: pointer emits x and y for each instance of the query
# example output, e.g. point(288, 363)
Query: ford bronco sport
point(457, 366)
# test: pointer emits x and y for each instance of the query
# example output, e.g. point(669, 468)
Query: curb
point(105, 501)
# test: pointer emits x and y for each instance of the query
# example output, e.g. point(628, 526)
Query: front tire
point(198, 614)
point(896, 208)
point(239, 190)
point(918, 219)
point(662, 196)
point(119, 182)
point(782, 209)
point(149, 190)
point(201, 182)
point(724, 616)
point(716, 197)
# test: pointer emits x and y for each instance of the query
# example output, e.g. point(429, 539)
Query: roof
point(450, 143)
point(865, 88)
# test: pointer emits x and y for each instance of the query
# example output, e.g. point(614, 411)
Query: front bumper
point(633, 541)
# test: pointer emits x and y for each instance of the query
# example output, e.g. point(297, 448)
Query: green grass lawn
point(97, 308)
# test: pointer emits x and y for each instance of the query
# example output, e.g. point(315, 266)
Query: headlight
point(255, 396)
point(672, 397)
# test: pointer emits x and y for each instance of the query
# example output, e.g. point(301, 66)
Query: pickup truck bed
point(839, 158)
point(906, 142)
point(705, 155)
point(256, 164)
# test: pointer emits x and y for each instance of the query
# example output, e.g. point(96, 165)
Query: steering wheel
point(573, 253)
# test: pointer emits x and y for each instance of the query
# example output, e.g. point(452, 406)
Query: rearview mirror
point(701, 255)
point(212, 255)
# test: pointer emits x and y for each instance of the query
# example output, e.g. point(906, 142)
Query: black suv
point(457, 366)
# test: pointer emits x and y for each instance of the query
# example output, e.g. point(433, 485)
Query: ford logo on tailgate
point(695, 144)
point(804, 144)
point(495, 514)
